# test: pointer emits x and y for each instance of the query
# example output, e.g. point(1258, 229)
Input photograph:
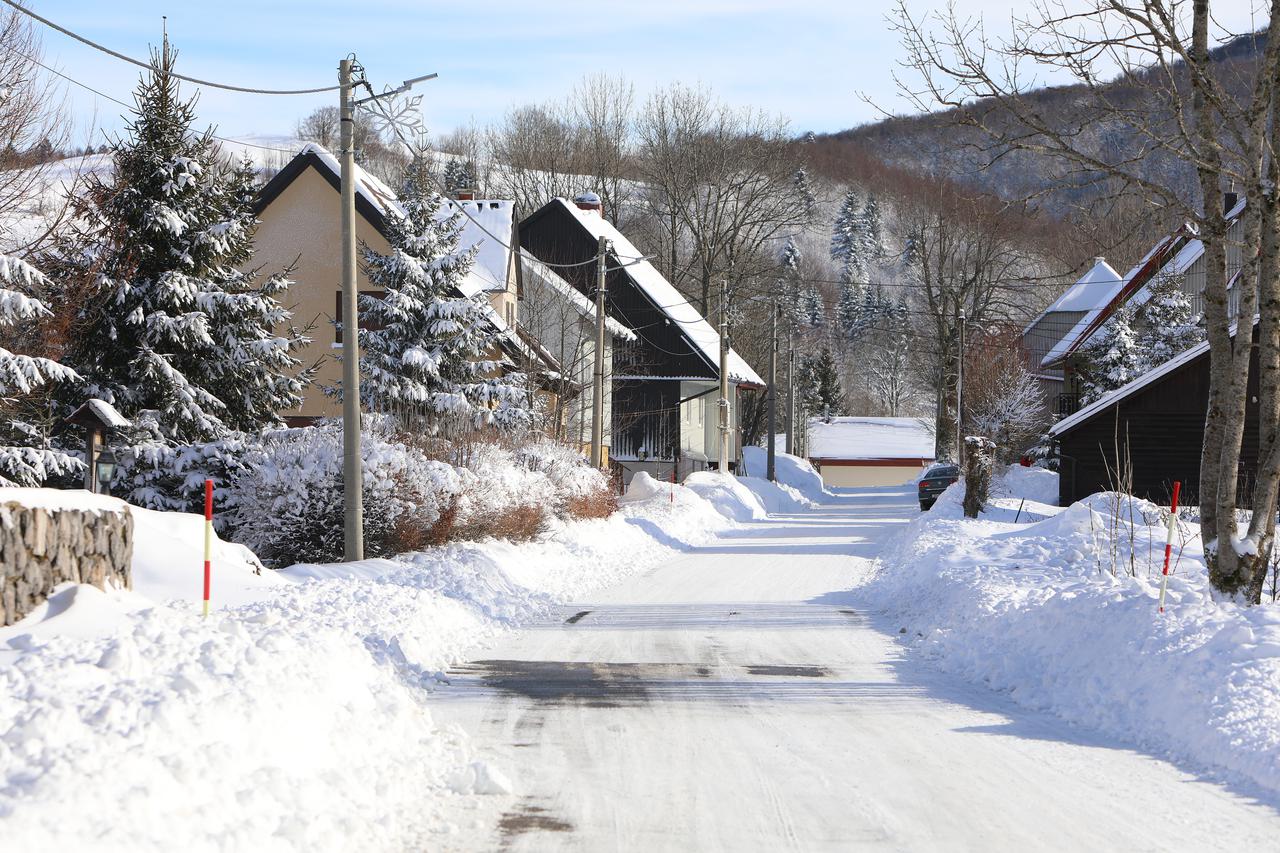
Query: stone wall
point(41, 548)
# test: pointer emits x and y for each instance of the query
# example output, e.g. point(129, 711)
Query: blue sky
point(807, 59)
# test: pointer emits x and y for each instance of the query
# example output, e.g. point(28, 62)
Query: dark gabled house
point(1154, 426)
point(1179, 255)
point(665, 382)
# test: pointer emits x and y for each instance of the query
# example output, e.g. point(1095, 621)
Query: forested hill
point(934, 144)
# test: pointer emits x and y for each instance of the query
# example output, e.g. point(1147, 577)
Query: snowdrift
point(294, 716)
point(1062, 614)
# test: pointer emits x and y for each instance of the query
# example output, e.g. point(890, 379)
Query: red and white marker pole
point(1168, 542)
point(208, 539)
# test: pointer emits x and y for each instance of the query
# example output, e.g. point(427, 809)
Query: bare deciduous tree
point(1190, 111)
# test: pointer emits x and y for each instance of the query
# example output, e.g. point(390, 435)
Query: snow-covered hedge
point(287, 501)
point(1062, 613)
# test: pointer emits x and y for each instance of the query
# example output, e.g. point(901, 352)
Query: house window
point(337, 313)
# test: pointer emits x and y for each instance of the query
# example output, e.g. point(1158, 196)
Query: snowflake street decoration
point(401, 116)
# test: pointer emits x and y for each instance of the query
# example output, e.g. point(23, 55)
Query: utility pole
point(960, 396)
point(725, 440)
point(771, 451)
point(352, 484)
point(791, 391)
point(597, 387)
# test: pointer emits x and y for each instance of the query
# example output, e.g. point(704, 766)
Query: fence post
point(1168, 542)
point(208, 540)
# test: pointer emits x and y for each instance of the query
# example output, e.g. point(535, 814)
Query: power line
point(127, 106)
point(147, 65)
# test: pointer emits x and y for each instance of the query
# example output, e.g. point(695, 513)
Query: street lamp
point(98, 418)
point(106, 469)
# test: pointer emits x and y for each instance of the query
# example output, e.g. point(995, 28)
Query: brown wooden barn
point(1158, 422)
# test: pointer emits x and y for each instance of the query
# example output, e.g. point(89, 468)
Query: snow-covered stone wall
point(41, 547)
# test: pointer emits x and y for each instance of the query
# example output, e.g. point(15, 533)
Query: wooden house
point(1179, 256)
point(1093, 291)
point(665, 418)
point(1153, 427)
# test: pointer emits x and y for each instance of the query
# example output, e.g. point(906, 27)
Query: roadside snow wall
point(42, 546)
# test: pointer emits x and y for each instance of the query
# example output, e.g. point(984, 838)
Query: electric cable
point(227, 86)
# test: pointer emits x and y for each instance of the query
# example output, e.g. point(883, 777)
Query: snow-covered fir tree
point(169, 322)
point(1165, 324)
point(459, 175)
point(849, 308)
point(804, 192)
point(26, 456)
point(872, 229)
point(820, 391)
point(792, 286)
point(428, 352)
point(1139, 339)
point(814, 308)
point(848, 248)
point(1111, 358)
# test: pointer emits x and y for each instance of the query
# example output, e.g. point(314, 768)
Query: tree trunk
point(979, 461)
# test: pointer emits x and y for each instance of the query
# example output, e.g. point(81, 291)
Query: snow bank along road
point(736, 699)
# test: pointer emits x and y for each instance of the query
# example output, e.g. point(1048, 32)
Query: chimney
point(589, 201)
point(1229, 201)
point(465, 194)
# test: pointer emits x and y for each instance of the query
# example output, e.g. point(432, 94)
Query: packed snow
point(1059, 609)
point(297, 714)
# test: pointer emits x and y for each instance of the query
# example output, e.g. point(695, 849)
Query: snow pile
point(729, 495)
point(1062, 614)
point(296, 719)
point(793, 472)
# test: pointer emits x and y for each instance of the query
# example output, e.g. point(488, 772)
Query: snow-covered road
point(737, 698)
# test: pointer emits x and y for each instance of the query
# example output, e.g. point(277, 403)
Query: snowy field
point(1059, 610)
point(295, 716)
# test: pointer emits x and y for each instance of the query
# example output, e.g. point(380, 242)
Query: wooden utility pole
point(725, 430)
point(791, 391)
point(960, 396)
point(352, 485)
point(597, 386)
point(771, 450)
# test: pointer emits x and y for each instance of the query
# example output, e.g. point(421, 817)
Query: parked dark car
point(934, 481)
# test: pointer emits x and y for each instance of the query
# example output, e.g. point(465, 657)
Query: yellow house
point(300, 221)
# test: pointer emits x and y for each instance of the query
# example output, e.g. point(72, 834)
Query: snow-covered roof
point(663, 294)
point(1125, 390)
point(1091, 290)
point(486, 224)
point(1102, 295)
point(871, 438)
point(531, 266)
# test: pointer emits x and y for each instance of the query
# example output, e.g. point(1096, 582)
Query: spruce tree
point(872, 233)
point(815, 309)
point(26, 456)
point(847, 241)
point(428, 352)
point(1111, 358)
point(849, 308)
point(170, 324)
point(792, 285)
point(808, 203)
point(820, 391)
point(1164, 324)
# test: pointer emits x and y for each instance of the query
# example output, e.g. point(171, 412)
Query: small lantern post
point(98, 418)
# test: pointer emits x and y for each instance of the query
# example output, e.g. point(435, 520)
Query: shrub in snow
point(168, 319)
point(287, 499)
point(159, 475)
point(26, 455)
